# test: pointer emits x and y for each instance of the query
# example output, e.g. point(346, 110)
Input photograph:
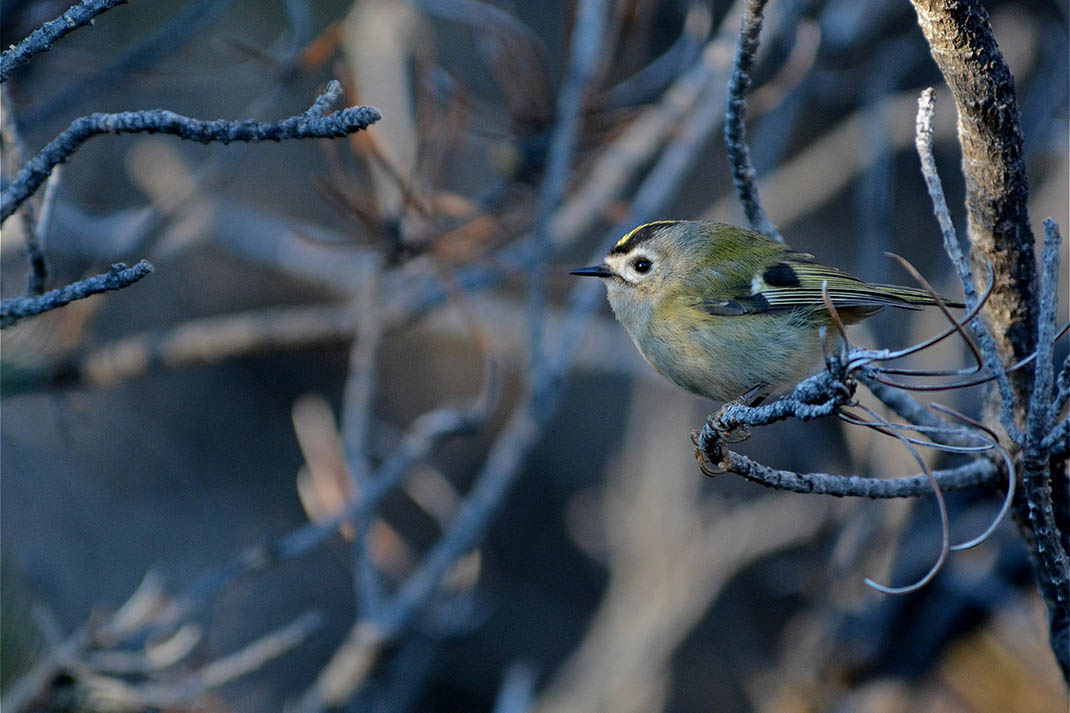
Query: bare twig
point(587, 34)
point(618, 163)
point(669, 66)
point(211, 339)
point(1062, 384)
point(307, 125)
point(35, 244)
point(423, 435)
point(1056, 442)
point(120, 276)
point(911, 409)
point(357, 419)
point(743, 174)
point(789, 191)
point(978, 473)
point(1036, 471)
point(218, 673)
point(924, 144)
point(34, 230)
point(42, 39)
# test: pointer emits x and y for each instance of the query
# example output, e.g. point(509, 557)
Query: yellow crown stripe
point(623, 242)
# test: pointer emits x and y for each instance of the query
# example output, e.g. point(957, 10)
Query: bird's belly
point(730, 364)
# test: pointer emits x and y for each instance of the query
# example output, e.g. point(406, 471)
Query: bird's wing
point(797, 282)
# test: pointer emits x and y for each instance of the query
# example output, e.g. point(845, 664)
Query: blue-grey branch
point(42, 39)
point(735, 133)
point(977, 473)
point(923, 142)
point(120, 276)
point(819, 395)
point(308, 125)
point(1036, 473)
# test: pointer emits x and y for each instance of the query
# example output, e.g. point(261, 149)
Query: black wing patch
point(781, 275)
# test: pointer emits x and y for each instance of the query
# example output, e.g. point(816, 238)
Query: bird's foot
point(711, 452)
point(711, 443)
point(731, 430)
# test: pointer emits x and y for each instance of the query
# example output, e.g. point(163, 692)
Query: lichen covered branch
point(42, 39)
point(310, 124)
point(735, 132)
point(120, 276)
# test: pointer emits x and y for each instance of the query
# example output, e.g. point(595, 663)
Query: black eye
point(641, 265)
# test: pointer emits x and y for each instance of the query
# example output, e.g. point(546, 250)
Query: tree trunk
point(961, 40)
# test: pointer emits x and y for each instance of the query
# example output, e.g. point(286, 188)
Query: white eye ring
point(642, 265)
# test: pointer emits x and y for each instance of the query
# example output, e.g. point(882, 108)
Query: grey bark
point(989, 128)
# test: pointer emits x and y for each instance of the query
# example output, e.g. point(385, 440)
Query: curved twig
point(310, 124)
point(945, 525)
point(42, 39)
point(1008, 464)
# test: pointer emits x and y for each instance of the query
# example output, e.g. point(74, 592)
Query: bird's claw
point(711, 454)
point(729, 432)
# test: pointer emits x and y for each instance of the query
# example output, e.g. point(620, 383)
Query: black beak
point(602, 270)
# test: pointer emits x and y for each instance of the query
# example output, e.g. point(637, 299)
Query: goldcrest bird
point(729, 313)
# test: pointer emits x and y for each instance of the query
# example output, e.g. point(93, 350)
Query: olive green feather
point(767, 276)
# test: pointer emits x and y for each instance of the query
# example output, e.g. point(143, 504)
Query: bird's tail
point(915, 296)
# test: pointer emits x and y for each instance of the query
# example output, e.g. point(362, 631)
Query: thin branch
point(303, 126)
point(586, 41)
point(423, 435)
point(1057, 443)
point(924, 143)
point(210, 339)
point(1062, 390)
point(1036, 473)
point(616, 165)
point(1061, 384)
point(35, 242)
point(120, 276)
point(34, 230)
point(735, 133)
point(649, 81)
point(945, 526)
point(979, 473)
point(357, 419)
point(9, 132)
point(819, 395)
point(42, 39)
point(992, 440)
point(911, 409)
point(250, 658)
